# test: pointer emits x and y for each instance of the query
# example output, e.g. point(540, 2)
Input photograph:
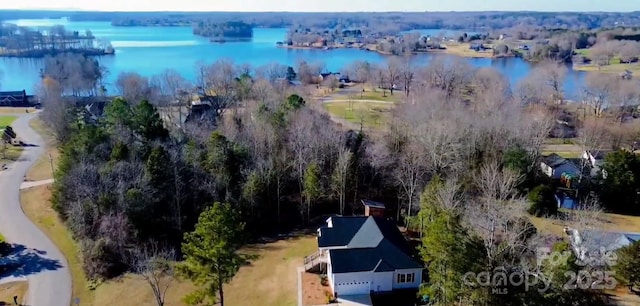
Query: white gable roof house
point(364, 255)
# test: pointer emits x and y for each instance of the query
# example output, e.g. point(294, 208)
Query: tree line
point(24, 41)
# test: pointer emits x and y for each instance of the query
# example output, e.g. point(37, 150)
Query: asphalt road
point(41, 262)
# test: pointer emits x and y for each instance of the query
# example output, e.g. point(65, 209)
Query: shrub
point(324, 280)
point(330, 297)
point(100, 260)
point(4, 246)
point(542, 201)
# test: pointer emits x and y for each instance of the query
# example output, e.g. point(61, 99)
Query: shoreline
point(45, 53)
point(448, 51)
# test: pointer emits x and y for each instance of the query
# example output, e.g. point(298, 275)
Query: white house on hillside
point(365, 254)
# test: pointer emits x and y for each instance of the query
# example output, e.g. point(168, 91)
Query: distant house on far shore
point(17, 99)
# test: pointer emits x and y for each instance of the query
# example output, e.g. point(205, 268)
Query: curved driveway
point(41, 262)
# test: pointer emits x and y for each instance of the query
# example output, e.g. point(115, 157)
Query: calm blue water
point(149, 51)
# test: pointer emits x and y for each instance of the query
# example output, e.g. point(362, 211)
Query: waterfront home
point(365, 255)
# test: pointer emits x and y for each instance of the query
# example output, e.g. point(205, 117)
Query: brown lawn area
point(313, 293)
point(15, 110)
point(41, 169)
point(610, 222)
point(271, 279)
point(9, 290)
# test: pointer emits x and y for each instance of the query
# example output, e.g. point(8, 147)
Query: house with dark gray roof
point(592, 246)
point(554, 166)
point(365, 254)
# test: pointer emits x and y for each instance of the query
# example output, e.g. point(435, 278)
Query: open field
point(271, 278)
point(9, 290)
point(613, 68)
point(370, 94)
point(6, 121)
point(371, 114)
point(462, 49)
point(564, 150)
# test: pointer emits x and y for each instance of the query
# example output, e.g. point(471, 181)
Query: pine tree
point(211, 253)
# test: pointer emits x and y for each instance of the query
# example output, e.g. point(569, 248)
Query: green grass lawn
point(370, 95)
point(558, 141)
point(11, 154)
point(370, 115)
point(613, 68)
point(583, 52)
point(563, 154)
point(6, 121)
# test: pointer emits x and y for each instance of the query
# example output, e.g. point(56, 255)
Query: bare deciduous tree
point(597, 93)
point(155, 265)
point(411, 174)
point(340, 177)
point(272, 72)
point(133, 87)
point(57, 112)
point(497, 217)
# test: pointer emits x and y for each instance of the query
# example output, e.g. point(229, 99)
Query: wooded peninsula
point(25, 42)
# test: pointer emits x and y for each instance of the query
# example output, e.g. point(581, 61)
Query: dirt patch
point(9, 290)
point(313, 292)
point(622, 297)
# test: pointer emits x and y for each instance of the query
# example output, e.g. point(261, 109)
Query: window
point(406, 278)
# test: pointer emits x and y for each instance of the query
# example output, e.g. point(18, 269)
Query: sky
point(326, 5)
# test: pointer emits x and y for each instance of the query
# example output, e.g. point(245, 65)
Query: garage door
point(350, 288)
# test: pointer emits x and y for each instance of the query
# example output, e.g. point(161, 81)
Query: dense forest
point(223, 31)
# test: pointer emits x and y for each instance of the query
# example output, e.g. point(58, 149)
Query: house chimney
point(374, 209)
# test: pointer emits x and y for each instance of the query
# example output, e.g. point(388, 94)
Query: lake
point(149, 51)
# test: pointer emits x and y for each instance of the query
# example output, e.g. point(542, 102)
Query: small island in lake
point(225, 31)
point(31, 43)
